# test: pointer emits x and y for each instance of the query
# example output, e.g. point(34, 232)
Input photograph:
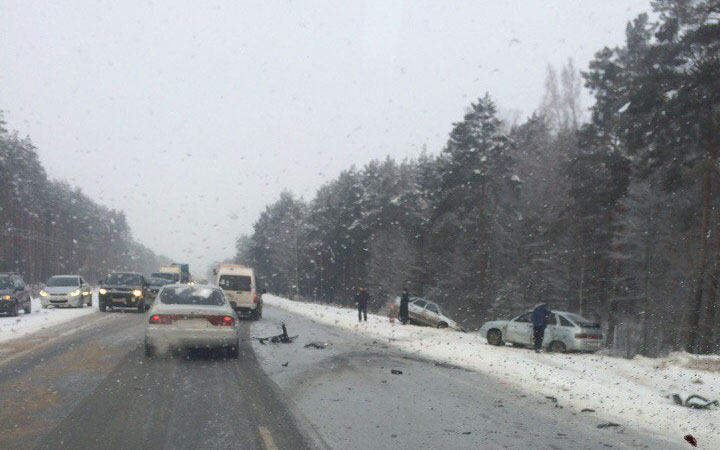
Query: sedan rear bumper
point(163, 336)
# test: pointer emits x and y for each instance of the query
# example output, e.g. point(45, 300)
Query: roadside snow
point(633, 393)
point(38, 319)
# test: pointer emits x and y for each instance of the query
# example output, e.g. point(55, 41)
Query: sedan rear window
point(419, 303)
point(189, 295)
point(63, 281)
point(235, 282)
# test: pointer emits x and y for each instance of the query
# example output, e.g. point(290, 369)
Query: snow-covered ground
point(39, 319)
point(633, 393)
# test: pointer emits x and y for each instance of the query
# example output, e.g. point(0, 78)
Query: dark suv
point(124, 290)
point(14, 295)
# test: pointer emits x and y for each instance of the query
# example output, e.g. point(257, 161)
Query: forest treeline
point(612, 214)
point(48, 227)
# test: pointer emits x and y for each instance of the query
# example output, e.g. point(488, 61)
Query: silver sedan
point(191, 316)
point(565, 332)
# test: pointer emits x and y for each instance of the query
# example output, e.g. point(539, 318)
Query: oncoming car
point(565, 332)
point(191, 316)
point(123, 290)
point(66, 290)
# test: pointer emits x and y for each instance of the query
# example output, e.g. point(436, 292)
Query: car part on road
point(396, 372)
point(609, 425)
point(694, 401)
point(278, 339)
point(317, 345)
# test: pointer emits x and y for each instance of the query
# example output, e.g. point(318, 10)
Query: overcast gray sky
point(192, 116)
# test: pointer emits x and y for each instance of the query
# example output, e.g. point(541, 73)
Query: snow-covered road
point(350, 398)
point(632, 393)
point(39, 319)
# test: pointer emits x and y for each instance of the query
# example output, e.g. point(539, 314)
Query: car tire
point(141, 307)
point(442, 325)
point(102, 306)
point(255, 315)
point(557, 347)
point(28, 309)
point(149, 350)
point(44, 306)
point(494, 337)
point(234, 351)
point(89, 302)
point(14, 311)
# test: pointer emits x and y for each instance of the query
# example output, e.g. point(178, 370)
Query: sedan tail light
point(255, 297)
point(161, 319)
point(223, 321)
point(588, 336)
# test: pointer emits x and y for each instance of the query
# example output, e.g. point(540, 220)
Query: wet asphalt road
point(87, 385)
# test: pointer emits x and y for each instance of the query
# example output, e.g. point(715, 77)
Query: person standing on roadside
point(540, 316)
point(361, 301)
point(404, 302)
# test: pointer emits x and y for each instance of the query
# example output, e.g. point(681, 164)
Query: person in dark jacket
point(540, 317)
point(361, 300)
point(404, 302)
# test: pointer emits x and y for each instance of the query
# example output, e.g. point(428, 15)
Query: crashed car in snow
point(565, 331)
point(425, 312)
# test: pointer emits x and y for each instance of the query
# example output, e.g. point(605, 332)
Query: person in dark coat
point(540, 317)
point(404, 302)
point(361, 300)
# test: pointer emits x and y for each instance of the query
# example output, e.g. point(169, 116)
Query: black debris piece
point(396, 372)
point(694, 401)
point(280, 338)
point(608, 425)
point(317, 345)
point(587, 410)
point(285, 364)
point(551, 398)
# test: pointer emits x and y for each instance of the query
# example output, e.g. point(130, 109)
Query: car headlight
point(75, 293)
point(102, 291)
point(43, 294)
point(7, 297)
point(86, 293)
point(137, 293)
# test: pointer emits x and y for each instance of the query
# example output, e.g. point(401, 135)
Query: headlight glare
point(75, 293)
point(137, 293)
point(102, 291)
point(7, 297)
point(44, 293)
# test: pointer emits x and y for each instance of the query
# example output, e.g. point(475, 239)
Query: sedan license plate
point(192, 323)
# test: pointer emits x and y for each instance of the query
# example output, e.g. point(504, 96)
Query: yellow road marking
point(14, 356)
point(267, 438)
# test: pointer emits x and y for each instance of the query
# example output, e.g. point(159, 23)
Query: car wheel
point(14, 310)
point(102, 306)
point(149, 350)
point(494, 337)
point(89, 302)
point(28, 309)
point(442, 325)
point(44, 306)
point(141, 307)
point(234, 351)
point(557, 347)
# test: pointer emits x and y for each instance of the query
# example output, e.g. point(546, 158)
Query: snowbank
point(38, 319)
point(633, 393)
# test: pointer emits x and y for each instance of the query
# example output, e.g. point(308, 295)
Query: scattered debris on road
point(551, 398)
point(691, 440)
point(396, 372)
point(317, 345)
point(285, 364)
point(694, 401)
point(608, 425)
point(590, 410)
point(458, 432)
point(280, 338)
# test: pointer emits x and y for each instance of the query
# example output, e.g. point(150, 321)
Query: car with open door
point(565, 331)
